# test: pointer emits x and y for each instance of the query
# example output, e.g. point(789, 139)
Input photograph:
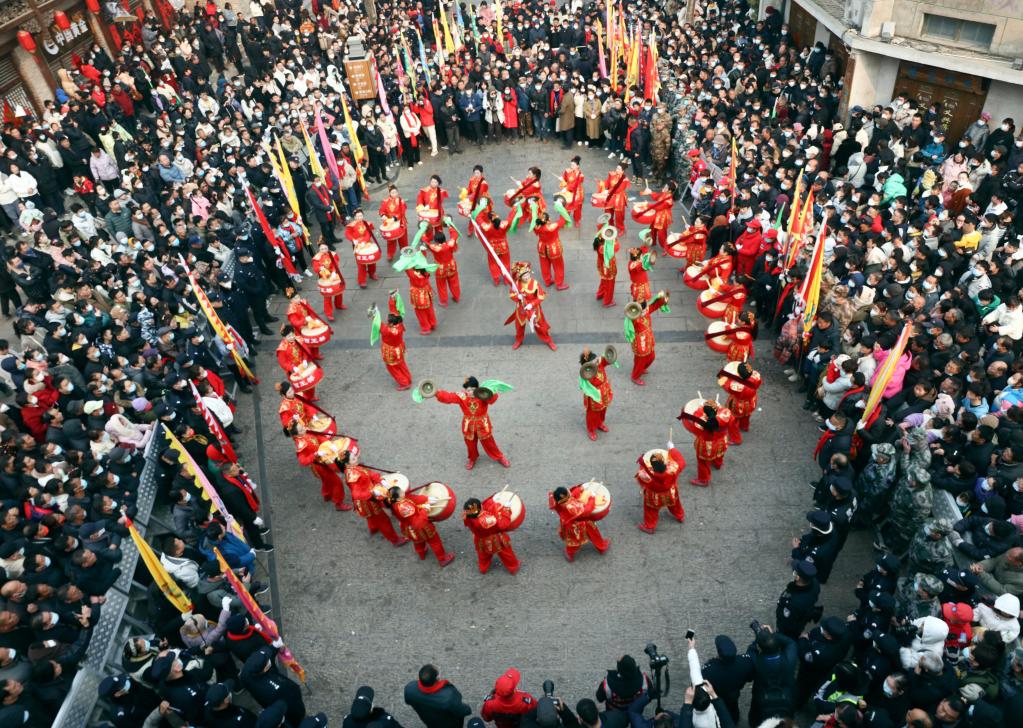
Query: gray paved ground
point(357, 611)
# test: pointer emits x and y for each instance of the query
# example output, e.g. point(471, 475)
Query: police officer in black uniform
point(820, 545)
point(130, 701)
point(819, 651)
point(267, 685)
point(221, 710)
point(183, 689)
point(250, 280)
point(798, 603)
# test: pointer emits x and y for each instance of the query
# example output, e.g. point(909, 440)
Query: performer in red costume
point(330, 280)
point(392, 345)
point(742, 388)
point(528, 190)
point(606, 272)
point(431, 200)
point(476, 191)
point(412, 511)
point(294, 359)
point(711, 439)
point(300, 315)
point(616, 185)
point(421, 295)
point(596, 409)
point(360, 233)
point(394, 209)
point(658, 477)
point(528, 297)
point(489, 523)
point(476, 425)
point(548, 247)
point(496, 232)
point(660, 205)
point(576, 527)
point(307, 445)
point(693, 242)
point(641, 260)
point(444, 249)
point(366, 488)
point(643, 344)
point(571, 184)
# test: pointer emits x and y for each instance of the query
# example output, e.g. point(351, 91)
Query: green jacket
point(998, 577)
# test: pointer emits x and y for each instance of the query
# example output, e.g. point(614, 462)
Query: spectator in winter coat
point(437, 702)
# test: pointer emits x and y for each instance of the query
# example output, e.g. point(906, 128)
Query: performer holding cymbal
point(474, 401)
point(596, 387)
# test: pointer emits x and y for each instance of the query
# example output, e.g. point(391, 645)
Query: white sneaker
point(580, 144)
point(308, 273)
point(790, 370)
point(794, 378)
point(432, 154)
point(611, 155)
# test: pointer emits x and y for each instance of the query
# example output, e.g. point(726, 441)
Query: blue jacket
point(470, 104)
point(934, 152)
point(235, 551)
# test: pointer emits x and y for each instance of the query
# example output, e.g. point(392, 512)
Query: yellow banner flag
point(357, 150)
point(499, 16)
point(449, 43)
point(221, 330)
point(314, 161)
point(161, 578)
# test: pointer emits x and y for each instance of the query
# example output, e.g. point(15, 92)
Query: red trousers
point(617, 218)
point(434, 544)
point(452, 283)
point(703, 470)
point(593, 533)
point(314, 352)
point(606, 291)
point(331, 302)
point(400, 373)
point(543, 335)
point(495, 272)
point(577, 214)
point(395, 245)
point(427, 319)
point(736, 427)
point(379, 522)
point(489, 447)
point(366, 270)
point(641, 363)
point(744, 264)
point(332, 488)
point(507, 556)
point(558, 266)
point(659, 237)
point(652, 515)
point(595, 420)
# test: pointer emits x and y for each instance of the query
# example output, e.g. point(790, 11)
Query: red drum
point(514, 503)
point(643, 213)
point(656, 451)
point(314, 334)
point(718, 308)
point(442, 501)
point(721, 343)
point(390, 228)
point(306, 378)
point(330, 286)
point(601, 495)
point(367, 253)
point(429, 214)
point(391, 480)
point(599, 199)
point(510, 200)
point(695, 408)
point(676, 248)
point(322, 425)
point(698, 277)
point(463, 207)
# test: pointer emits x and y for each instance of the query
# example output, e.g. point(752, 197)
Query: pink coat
point(894, 385)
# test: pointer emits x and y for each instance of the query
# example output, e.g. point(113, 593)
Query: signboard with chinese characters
point(57, 40)
point(360, 79)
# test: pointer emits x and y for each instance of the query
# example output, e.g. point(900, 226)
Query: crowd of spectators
point(140, 168)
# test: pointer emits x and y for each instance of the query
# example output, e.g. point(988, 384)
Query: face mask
point(888, 690)
point(46, 564)
point(14, 654)
point(57, 450)
point(188, 497)
point(1005, 127)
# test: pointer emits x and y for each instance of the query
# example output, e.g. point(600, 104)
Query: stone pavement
point(357, 611)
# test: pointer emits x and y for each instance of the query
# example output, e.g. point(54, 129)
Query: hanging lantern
point(26, 41)
point(60, 19)
point(93, 6)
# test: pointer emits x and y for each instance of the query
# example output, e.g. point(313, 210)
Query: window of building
point(959, 31)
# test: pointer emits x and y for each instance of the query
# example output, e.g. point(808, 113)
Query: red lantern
point(26, 41)
point(93, 6)
point(60, 19)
